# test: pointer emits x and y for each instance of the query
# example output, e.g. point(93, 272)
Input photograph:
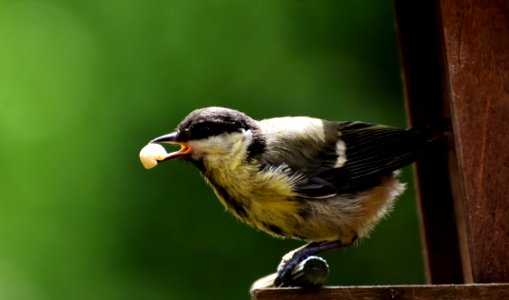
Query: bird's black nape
point(212, 121)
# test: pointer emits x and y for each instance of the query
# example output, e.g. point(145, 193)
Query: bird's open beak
point(171, 138)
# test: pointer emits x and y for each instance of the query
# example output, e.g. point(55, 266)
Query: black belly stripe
point(198, 164)
point(257, 145)
point(275, 229)
point(235, 206)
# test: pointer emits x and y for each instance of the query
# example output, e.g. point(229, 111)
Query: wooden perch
point(409, 292)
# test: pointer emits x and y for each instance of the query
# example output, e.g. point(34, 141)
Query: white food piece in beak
point(151, 154)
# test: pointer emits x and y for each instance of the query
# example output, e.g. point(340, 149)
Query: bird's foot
point(286, 268)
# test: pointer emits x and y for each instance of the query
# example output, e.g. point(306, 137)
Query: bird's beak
point(171, 138)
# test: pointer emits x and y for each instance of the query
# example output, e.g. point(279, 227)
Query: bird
point(324, 182)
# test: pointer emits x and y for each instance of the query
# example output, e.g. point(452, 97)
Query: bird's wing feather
point(371, 152)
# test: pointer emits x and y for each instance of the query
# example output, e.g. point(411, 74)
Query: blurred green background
point(85, 84)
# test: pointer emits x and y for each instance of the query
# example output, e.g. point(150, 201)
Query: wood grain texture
point(416, 292)
point(476, 37)
point(421, 48)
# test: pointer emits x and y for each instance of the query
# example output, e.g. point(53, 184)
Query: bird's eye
point(208, 129)
point(203, 130)
point(200, 131)
point(184, 134)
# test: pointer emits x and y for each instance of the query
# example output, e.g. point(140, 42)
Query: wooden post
point(419, 30)
point(456, 62)
point(476, 43)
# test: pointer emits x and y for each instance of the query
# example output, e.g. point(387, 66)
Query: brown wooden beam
point(415, 292)
point(455, 56)
point(476, 47)
point(421, 48)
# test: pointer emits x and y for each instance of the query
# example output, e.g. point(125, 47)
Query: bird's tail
point(430, 132)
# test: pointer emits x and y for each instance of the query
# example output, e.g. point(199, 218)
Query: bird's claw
point(283, 279)
point(285, 269)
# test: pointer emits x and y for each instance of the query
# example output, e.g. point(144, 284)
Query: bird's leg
point(293, 258)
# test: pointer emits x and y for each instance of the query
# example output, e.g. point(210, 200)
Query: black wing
point(372, 152)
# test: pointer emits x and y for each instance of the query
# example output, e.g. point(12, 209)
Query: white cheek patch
point(341, 152)
point(223, 144)
point(210, 145)
point(222, 149)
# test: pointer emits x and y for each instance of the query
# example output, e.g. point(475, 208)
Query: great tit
point(303, 178)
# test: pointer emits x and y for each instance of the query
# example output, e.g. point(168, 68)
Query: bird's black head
point(212, 121)
point(214, 132)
